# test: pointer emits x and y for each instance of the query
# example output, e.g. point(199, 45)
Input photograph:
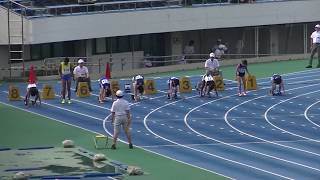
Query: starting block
point(47, 92)
point(103, 138)
point(14, 94)
point(149, 87)
point(83, 89)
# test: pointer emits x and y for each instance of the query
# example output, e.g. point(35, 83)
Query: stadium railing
point(61, 9)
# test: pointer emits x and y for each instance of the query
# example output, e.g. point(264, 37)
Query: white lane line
point(156, 136)
point(219, 144)
point(261, 139)
point(238, 147)
point(65, 109)
point(294, 134)
point(306, 114)
point(201, 151)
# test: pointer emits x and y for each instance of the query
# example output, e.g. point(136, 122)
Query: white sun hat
point(119, 93)
point(80, 61)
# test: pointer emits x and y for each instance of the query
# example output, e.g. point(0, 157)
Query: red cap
point(108, 73)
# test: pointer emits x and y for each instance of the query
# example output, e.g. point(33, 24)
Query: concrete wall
point(75, 27)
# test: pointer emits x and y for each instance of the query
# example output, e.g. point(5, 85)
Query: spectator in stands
point(81, 74)
point(147, 62)
point(65, 74)
point(187, 51)
point(315, 46)
point(219, 49)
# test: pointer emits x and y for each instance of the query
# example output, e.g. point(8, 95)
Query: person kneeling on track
point(105, 89)
point(276, 80)
point(173, 86)
point(208, 85)
point(138, 87)
point(32, 95)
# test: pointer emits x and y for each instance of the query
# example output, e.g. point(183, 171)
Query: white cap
point(119, 93)
point(317, 26)
point(211, 54)
point(80, 61)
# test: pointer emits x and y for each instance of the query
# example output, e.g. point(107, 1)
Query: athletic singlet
point(65, 68)
point(276, 78)
point(241, 70)
point(174, 81)
point(104, 82)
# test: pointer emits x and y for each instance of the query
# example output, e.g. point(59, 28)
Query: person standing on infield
point(315, 45)
point(120, 114)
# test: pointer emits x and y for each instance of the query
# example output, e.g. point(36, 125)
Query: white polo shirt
point(315, 36)
point(81, 71)
point(120, 106)
point(212, 64)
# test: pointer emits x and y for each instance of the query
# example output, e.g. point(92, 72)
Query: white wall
point(76, 27)
point(3, 26)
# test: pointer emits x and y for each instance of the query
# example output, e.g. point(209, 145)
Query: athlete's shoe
point(244, 94)
point(309, 66)
point(239, 94)
point(63, 101)
point(130, 146)
point(69, 101)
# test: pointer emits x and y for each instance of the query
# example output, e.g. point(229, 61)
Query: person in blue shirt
point(173, 87)
point(105, 89)
point(276, 80)
point(240, 76)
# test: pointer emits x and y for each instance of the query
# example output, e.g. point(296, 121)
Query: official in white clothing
point(120, 114)
point(212, 65)
point(315, 45)
point(81, 74)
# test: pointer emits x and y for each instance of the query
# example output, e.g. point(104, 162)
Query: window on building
point(124, 44)
point(46, 51)
point(99, 46)
point(35, 52)
point(58, 49)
